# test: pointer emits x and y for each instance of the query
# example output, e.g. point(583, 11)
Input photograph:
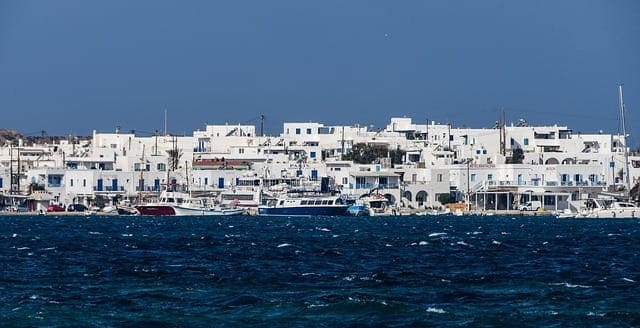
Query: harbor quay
point(410, 168)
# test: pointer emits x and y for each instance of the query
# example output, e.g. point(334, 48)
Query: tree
point(517, 156)
point(362, 153)
point(446, 199)
point(174, 158)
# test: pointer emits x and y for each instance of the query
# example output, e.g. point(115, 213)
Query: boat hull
point(156, 210)
point(303, 211)
point(185, 211)
point(611, 214)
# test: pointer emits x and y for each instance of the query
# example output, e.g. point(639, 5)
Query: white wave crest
point(437, 234)
point(436, 310)
point(568, 285)
point(284, 245)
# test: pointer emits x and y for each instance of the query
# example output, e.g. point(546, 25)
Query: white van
point(533, 205)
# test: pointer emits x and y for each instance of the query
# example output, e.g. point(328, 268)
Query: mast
point(141, 181)
point(624, 134)
point(186, 171)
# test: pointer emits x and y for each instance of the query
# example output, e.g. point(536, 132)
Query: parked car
point(20, 208)
point(76, 208)
point(533, 205)
point(55, 208)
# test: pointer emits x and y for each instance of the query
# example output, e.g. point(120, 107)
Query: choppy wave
point(299, 272)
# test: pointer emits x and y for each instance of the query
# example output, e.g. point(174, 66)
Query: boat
point(200, 208)
point(304, 206)
point(358, 209)
point(181, 204)
point(165, 205)
point(598, 208)
point(565, 214)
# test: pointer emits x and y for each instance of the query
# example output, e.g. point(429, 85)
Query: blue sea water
point(323, 271)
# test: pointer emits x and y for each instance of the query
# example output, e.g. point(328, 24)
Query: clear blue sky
point(74, 66)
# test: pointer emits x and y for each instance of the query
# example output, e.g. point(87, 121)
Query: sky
point(74, 66)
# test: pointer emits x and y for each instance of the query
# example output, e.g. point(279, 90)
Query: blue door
point(156, 185)
point(99, 187)
point(314, 175)
point(114, 184)
point(221, 183)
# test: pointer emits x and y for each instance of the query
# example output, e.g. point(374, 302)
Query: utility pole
point(426, 135)
point(342, 142)
point(165, 122)
point(503, 136)
point(10, 170)
point(468, 186)
point(18, 180)
point(262, 125)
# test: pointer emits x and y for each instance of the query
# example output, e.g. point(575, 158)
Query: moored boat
point(608, 209)
point(201, 210)
point(164, 206)
point(304, 206)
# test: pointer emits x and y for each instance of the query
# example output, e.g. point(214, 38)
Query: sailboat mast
point(142, 166)
point(624, 134)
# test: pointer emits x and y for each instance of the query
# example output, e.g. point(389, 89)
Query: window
point(71, 182)
point(84, 182)
point(136, 166)
point(439, 177)
point(308, 131)
point(297, 130)
point(473, 177)
point(526, 141)
point(490, 177)
point(312, 154)
point(162, 167)
point(577, 178)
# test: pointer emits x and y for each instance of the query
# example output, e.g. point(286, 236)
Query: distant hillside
point(11, 137)
point(8, 136)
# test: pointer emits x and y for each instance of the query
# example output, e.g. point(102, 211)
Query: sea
point(249, 271)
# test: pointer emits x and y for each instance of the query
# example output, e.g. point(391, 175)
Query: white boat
point(181, 204)
point(186, 209)
point(566, 214)
point(608, 209)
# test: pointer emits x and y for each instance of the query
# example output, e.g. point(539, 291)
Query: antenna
point(165, 122)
